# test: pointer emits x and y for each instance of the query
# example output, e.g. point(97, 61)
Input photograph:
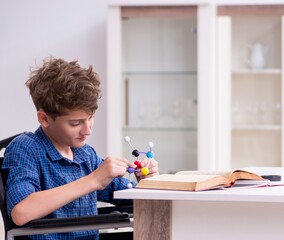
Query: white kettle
point(256, 56)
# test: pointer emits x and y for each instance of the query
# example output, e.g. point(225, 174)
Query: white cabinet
point(156, 85)
point(204, 82)
point(249, 63)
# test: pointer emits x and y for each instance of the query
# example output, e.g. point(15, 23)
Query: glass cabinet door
point(159, 84)
point(255, 75)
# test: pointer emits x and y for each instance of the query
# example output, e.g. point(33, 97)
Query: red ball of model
point(137, 163)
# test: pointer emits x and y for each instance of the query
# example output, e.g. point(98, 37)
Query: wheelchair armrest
point(113, 217)
point(72, 224)
point(127, 209)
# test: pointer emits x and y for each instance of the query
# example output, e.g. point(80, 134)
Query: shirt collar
point(49, 147)
point(54, 154)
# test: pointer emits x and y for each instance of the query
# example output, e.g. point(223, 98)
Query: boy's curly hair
point(59, 86)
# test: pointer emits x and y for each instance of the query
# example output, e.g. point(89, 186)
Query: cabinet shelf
point(150, 73)
point(160, 129)
point(257, 127)
point(245, 71)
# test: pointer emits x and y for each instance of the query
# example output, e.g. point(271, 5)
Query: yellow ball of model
point(144, 171)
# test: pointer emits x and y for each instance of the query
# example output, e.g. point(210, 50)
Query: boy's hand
point(153, 168)
point(111, 168)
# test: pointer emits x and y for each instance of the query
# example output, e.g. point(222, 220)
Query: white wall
point(31, 30)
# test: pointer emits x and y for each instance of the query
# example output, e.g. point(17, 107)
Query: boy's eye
point(74, 124)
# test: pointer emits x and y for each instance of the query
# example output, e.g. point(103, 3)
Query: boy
point(53, 172)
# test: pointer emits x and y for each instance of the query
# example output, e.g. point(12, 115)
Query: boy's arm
point(42, 203)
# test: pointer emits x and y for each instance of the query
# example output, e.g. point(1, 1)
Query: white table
point(233, 214)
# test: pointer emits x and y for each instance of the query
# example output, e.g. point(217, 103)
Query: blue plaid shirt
point(35, 165)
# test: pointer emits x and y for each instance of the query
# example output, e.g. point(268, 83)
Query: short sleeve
point(23, 177)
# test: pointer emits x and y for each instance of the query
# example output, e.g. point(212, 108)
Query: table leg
point(152, 219)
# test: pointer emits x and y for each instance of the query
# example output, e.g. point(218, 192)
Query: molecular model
point(144, 170)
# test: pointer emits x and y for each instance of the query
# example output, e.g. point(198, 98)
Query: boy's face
point(70, 130)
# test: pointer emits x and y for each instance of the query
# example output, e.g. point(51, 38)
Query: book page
point(206, 172)
point(181, 177)
point(251, 182)
point(240, 184)
point(230, 174)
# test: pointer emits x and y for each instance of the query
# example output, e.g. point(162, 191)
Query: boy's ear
point(43, 118)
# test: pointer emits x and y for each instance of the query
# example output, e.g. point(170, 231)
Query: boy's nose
point(87, 130)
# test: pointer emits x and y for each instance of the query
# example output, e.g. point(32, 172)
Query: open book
point(198, 180)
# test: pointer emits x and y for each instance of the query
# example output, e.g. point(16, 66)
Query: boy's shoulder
point(26, 140)
point(25, 137)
